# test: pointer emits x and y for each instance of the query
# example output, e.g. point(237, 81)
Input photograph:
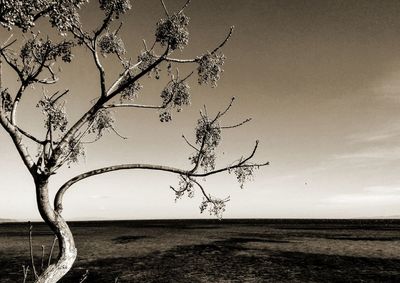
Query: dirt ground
point(216, 251)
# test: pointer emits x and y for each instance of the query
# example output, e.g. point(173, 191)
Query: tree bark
point(67, 251)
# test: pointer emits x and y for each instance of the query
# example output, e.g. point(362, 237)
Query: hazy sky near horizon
point(321, 80)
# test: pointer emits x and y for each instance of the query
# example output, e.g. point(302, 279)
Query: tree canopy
point(35, 64)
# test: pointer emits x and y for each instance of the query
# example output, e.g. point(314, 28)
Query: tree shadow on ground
point(230, 261)
point(127, 239)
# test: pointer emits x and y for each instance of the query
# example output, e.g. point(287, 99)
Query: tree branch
point(15, 104)
point(42, 13)
point(64, 188)
point(17, 140)
point(175, 60)
point(25, 82)
point(227, 108)
point(6, 44)
point(137, 77)
point(105, 24)
point(165, 8)
point(77, 142)
point(189, 144)
point(100, 68)
point(12, 65)
point(42, 64)
point(225, 40)
point(57, 98)
point(97, 106)
point(237, 125)
point(48, 81)
point(194, 60)
point(203, 191)
point(121, 77)
point(199, 154)
point(132, 105)
point(84, 38)
point(188, 173)
point(184, 6)
point(28, 135)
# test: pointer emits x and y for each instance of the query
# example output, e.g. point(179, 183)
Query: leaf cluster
point(210, 68)
point(20, 13)
point(146, 59)
point(131, 92)
point(55, 114)
point(75, 151)
point(173, 31)
point(216, 207)
point(110, 43)
point(118, 7)
point(103, 121)
point(243, 174)
point(62, 14)
point(208, 137)
point(38, 50)
point(185, 186)
point(174, 96)
point(6, 100)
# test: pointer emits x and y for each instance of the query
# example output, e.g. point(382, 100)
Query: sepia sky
point(320, 79)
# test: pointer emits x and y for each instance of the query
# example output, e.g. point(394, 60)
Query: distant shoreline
point(224, 220)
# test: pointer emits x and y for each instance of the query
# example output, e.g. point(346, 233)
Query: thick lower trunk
point(67, 250)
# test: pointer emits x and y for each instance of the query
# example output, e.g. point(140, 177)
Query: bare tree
point(34, 62)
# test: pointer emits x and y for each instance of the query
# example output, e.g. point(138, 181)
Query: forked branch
point(99, 105)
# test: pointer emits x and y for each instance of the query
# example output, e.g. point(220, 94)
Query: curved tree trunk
point(67, 250)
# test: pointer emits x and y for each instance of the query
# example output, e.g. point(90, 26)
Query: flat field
point(216, 251)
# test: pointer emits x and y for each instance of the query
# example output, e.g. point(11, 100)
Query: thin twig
point(42, 260)
point(165, 8)
point(31, 250)
point(118, 29)
point(182, 190)
point(4, 45)
point(192, 146)
point(61, 95)
point(84, 276)
point(227, 108)
point(118, 134)
point(184, 6)
point(203, 191)
point(225, 40)
point(92, 141)
point(1, 73)
point(25, 272)
point(205, 110)
point(28, 135)
point(13, 66)
point(237, 125)
point(188, 76)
